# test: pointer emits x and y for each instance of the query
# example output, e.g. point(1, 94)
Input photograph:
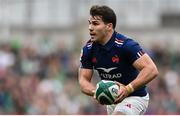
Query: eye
point(95, 23)
point(89, 22)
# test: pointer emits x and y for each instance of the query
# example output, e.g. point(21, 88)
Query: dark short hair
point(105, 12)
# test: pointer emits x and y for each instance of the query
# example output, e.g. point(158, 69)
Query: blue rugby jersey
point(113, 61)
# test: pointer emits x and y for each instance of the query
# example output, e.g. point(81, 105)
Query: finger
point(94, 96)
point(122, 94)
point(118, 83)
point(119, 98)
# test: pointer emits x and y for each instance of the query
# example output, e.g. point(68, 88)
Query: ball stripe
point(104, 95)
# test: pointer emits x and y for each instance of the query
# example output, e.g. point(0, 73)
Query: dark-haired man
point(118, 58)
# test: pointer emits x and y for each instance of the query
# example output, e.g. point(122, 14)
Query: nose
point(90, 27)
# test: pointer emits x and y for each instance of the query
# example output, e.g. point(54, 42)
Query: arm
point(148, 72)
point(85, 76)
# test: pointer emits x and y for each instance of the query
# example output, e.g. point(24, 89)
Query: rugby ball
point(106, 92)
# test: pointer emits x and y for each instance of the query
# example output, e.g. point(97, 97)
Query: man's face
point(97, 28)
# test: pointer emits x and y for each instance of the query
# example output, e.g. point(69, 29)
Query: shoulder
point(88, 45)
point(87, 48)
point(125, 43)
point(131, 44)
point(124, 40)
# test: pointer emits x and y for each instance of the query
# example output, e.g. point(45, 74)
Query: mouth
point(92, 34)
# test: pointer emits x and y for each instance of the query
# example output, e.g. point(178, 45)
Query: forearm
point(148, 71)
point(145, 76)
point(84, 78)
point(87, 87)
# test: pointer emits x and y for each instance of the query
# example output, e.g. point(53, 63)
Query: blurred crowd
point(37, 81)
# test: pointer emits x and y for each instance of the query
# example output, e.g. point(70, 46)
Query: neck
point(107, 37)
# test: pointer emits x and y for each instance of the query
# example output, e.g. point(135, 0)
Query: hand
point(123, 93)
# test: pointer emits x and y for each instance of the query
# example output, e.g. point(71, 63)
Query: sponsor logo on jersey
point(107, 70)
point(109, 76)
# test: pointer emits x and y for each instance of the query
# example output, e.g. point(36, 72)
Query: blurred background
point(40, 43)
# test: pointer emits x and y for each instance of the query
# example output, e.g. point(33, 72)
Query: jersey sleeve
point(85, 58)
point(132, 50)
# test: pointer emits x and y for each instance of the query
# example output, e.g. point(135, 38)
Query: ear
point(109, 26)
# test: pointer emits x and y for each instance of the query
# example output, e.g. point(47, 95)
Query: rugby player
point(119, 58)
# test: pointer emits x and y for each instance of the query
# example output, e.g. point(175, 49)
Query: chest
point(108, 58)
